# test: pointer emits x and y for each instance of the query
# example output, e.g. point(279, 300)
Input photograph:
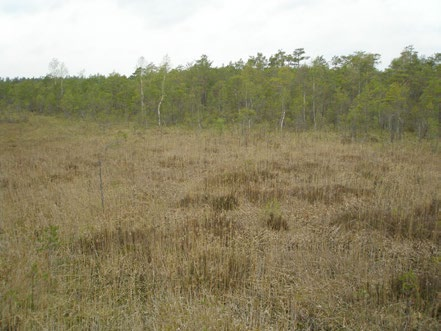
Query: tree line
point(286, 91)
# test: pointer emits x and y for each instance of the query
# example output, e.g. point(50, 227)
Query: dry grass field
point(112, 228)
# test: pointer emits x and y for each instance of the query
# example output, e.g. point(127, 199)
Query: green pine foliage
point(284, 92)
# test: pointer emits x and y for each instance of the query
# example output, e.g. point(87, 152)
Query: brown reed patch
point(217, 202)
point(260, 195)
point(216, 270)
point(193, 200)
point(224, 202)
point(328, 194)
point(221, 225)
point(107, 242)
point(237, 178)
point(421, 223)
point(176, 162)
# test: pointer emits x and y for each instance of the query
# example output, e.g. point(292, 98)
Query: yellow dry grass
point(203, 230)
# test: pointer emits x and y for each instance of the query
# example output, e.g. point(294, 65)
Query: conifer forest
point(283, 91)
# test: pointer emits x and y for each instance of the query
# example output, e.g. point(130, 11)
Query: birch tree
point(165, 67)
point(58, 72)
point(141, 69)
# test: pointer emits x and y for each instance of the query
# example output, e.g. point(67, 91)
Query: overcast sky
point(105, 36)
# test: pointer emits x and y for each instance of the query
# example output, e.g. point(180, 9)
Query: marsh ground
point(108, 227)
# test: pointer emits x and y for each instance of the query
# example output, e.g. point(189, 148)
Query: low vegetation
point(113, 227)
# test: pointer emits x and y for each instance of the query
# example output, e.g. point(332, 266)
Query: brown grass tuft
point(276, 222)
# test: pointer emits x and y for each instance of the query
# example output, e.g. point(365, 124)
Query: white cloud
point(160, 13)
point(28, 6)
point(102, 36)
